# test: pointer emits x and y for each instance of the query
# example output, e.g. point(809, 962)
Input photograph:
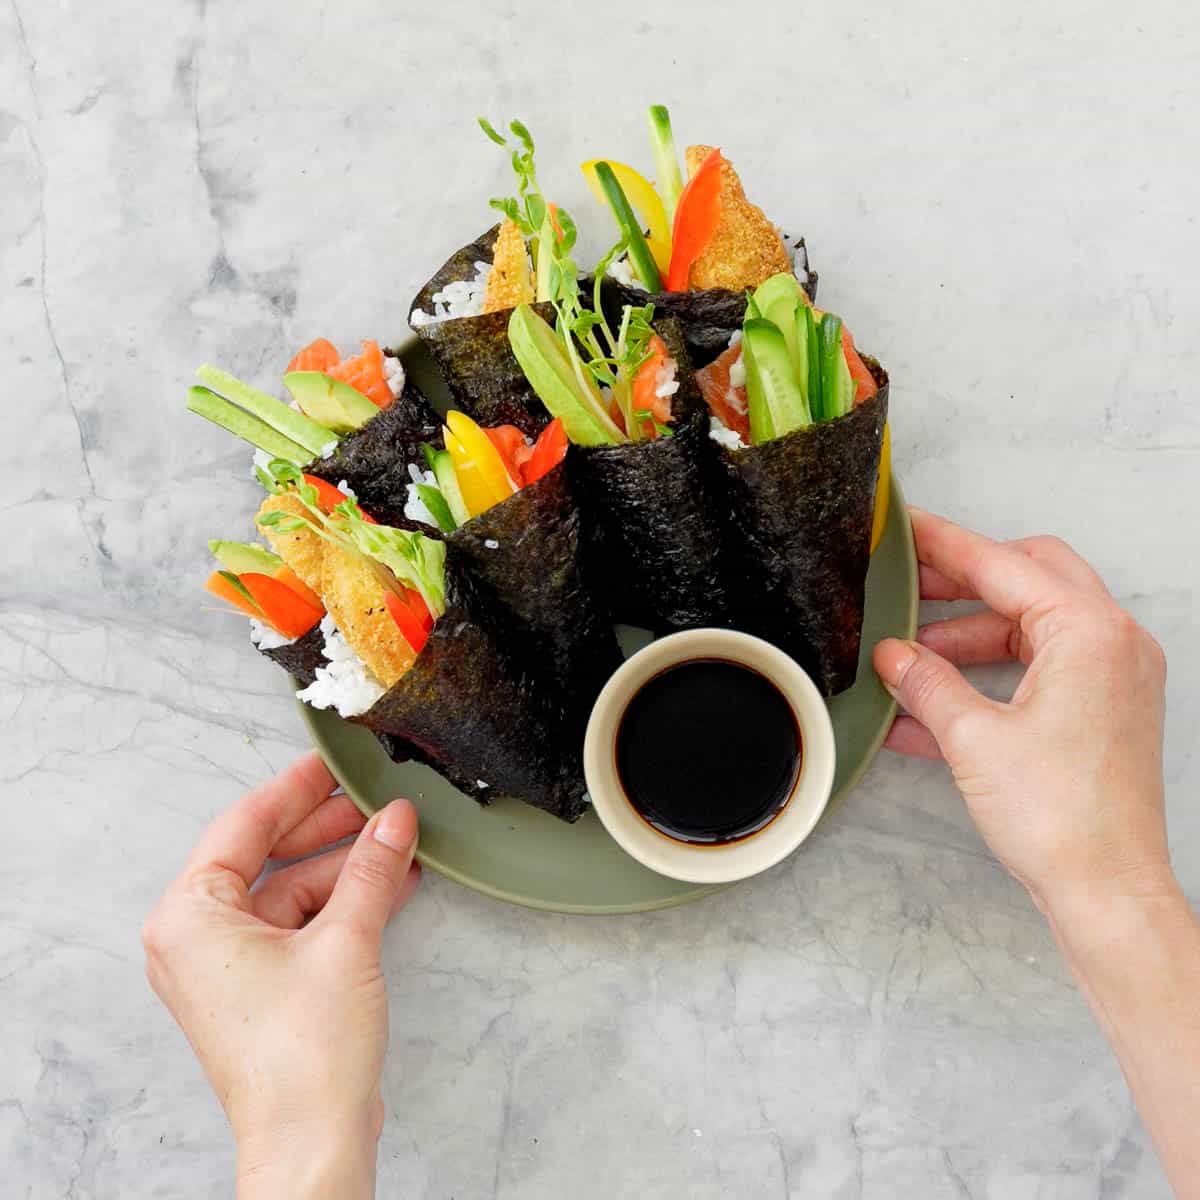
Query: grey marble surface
point(1001, 199)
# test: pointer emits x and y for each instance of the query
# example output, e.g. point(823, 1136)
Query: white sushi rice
point(415, 508)
point(737, 379)
point(723, 435)
point(463, 298)
point(266, 638)
point(665, 383)
point(343, 683)
point(393, 371)
point(621, 269)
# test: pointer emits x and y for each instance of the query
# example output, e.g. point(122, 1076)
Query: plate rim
point(898, 511)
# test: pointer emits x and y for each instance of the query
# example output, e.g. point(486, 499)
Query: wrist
point(296, 1163)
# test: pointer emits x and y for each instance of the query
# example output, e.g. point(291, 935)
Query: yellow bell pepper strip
point(481, 474)
point(883, 489)
point(640, 193)
point(696, 220)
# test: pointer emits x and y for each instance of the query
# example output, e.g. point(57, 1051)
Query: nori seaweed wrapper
point(473, 354)
point(467, 708)
point(374, 460)
point(300, 658)
point(801, 513)
point(528, 550)
point(709, 316)
point(652, 514)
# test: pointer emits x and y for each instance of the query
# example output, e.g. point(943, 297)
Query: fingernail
point(396, 827)
point(892, 661)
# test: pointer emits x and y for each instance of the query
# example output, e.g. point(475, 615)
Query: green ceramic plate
point(519, 854)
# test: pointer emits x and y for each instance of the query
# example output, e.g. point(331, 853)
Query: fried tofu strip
point(349, 587)
point(746, 248)
point(509, 282)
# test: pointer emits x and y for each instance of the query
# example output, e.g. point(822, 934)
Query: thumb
point(929, 687)
point(374, 879)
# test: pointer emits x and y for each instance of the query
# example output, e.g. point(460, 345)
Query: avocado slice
point(333, 403)
point(245, 557)
point(219, 411)
point(293, 425)
point(569, 395)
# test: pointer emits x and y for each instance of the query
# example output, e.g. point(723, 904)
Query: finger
point(1054, 553)
point(930, 689)
point(290, 896)
point(1002, 577)
point(984, 637)
point(329, 822)
point(935, 586)
point(242, 837)
point(373, 878)
point(908, 736)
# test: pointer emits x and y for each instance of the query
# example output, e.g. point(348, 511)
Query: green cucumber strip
point(772, 389)
point(442, 466)
point(639, 252)
point(833, 385)
point(219, 411)
point(245, 556)
point(666, 160)
point(293, 425)
point(429, 454)
point(783, 286)
point(552, 376)
point(433, 500)
point(816, 402)
point(238, 586)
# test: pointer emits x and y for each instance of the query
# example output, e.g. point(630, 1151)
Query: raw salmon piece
point(316, 356)
point(723, 399)
point(365, 374)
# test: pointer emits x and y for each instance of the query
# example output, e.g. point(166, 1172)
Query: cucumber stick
point(287, 421)
point(837, 388)
point(631, 229)
point(666, 160)
point(443, 472)
point(773, 394)
point(219, 411)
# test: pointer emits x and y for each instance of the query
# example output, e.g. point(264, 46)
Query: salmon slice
point(723, 399)
point(364, 373)
point(316, 356)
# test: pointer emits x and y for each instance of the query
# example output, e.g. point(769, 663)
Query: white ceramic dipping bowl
point(722, 862)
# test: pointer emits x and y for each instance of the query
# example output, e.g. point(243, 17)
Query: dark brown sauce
point(708, 751)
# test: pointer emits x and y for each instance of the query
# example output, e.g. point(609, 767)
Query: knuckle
point(370, 872)
point(923, 685)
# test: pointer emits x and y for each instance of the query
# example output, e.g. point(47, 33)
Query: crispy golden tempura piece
point(746, 248)
point(349, 587)
point(301, 549)
point(509, 282)
point(354, 596)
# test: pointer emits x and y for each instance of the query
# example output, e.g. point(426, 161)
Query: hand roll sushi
point(704, 243)
point(640, 457)
point(800, 417)
point(461, 314)
point(416, 652)
point(355, 420)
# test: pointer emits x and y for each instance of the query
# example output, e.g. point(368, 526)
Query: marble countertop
point(1001, 198)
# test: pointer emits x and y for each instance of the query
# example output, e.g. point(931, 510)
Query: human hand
point(1065, 781)
point(279, 987)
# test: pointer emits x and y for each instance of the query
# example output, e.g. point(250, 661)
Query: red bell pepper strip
point(289, 578)
point(864, 382)
point(548, 451)
point(412, 616)
point(329, 497)
point(509, 442)
point(282, 608)
point(219, 585)
point(696, 220)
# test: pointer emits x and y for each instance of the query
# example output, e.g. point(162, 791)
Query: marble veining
point(1002, 202)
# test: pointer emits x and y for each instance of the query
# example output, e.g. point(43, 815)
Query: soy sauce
point(708, 751)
